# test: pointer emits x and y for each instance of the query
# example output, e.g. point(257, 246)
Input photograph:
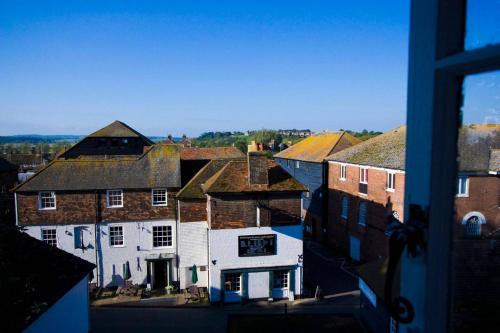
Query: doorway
point(161, 274)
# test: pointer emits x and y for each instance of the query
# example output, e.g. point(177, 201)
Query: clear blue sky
point(191, 66)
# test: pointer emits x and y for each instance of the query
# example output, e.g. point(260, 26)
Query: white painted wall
point(68, 314)
point(193, 246)
point(258, 285)
point(138, 245)
point(223, 247)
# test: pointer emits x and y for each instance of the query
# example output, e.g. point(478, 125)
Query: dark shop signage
point(256, 245)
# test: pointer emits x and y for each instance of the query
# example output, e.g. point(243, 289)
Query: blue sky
point(191, 66)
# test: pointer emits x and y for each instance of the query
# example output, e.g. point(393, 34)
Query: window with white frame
point(297, 164)
point(362, 213)
point(49, 236)
point(116, 236)
point(114, 198)
point(343, 171)
point(345, 207)
point(363, 175)
point(159, 197)
point(391, 181)
point(162, 236)
point(232, 282)
point(463, 187)
point(258, 216)
point(46, 200)
point(280, 279)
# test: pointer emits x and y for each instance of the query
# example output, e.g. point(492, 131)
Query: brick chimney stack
point(257, 168)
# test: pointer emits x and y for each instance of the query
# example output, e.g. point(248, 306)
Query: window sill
point(390, 190)
point(52, 208)
point(160, 205)
point(111, 207)
point(117, 246)
point(363, 194)
point(342, 179)
point(162, 247)
point(462, 195)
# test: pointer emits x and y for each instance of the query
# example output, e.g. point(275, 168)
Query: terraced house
point(250, 209)
point(305, 162)
point(366, 197)
point(109, 200)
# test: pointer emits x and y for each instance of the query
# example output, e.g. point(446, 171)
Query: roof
point(24, 159)
point(211, 153)
point(118, 129)
point(386, 150)
point(193, 189)
point(6, 166)
point(31, 288)
point(317, 147)
point(495, 160)
point(158, 167)
point(233, 178)
point(374, 274)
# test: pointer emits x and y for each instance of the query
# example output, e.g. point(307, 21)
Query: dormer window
point(46, 200)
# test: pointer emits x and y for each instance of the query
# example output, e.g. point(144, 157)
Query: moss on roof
point(193, 189)
point(388, 150)
point(118, 129)
point(317, 147)
point(210, 153)
point(233, 178)
point(159, 166)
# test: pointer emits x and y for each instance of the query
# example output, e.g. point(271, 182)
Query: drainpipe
point(177, 208)
point(15, 208)
point(96, 198)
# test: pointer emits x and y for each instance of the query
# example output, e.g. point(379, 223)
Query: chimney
point(257, 168)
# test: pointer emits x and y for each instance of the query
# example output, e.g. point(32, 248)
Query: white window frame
point(437, 65)
point(466, 193)
point(46, 241)
point(160, 204)
point(240, 280)
point(53, 196)
point(363, 175)
point(297, 164)
point(284, 277)
point(258, 217)
point(391, 181)
point(343, 172)
point(346, 215)
point(171, 236)
point(108, 192)
point(122, 236)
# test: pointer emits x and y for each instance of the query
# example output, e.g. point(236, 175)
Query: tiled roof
point(35, 276)
point(388, 150)
point(233, 178)
point(317, 147)
point(117, 129)
point(193, 189)
point(211, 153)
point(495, 160)
point(6, 166)
point(158, 167)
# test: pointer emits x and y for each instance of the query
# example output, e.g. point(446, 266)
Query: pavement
point(340, 295)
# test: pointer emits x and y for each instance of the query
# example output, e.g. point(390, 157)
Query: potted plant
point(169, 289)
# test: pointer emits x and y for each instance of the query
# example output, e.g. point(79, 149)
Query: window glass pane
point(482, 23)
point(162, 236)
point(475, 252)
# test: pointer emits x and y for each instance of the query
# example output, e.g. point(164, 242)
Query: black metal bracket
point(409, 235)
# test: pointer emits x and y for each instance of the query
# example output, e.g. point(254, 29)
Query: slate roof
point(495, 160)
point(118, 129)
point(233, 178)
point(316, 147)
point(6, 166)
point(158, 167)
point(34, 277)
point(193, 189)
point(210, 153)
point(388, 150)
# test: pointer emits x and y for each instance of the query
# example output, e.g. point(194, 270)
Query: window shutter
point(291, 286)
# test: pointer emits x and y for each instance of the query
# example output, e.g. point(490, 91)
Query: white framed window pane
point(49, 236)
point(159, 197)
point(116, 236)
point(162, 236)
point(232, 282)
point(115, 198)
point(47, 200)
point(280, 279)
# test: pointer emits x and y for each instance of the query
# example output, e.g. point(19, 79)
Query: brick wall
point(231, 211)
point(484, 197)
point(379, 201)
point(192, 210)
point(87, 207)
